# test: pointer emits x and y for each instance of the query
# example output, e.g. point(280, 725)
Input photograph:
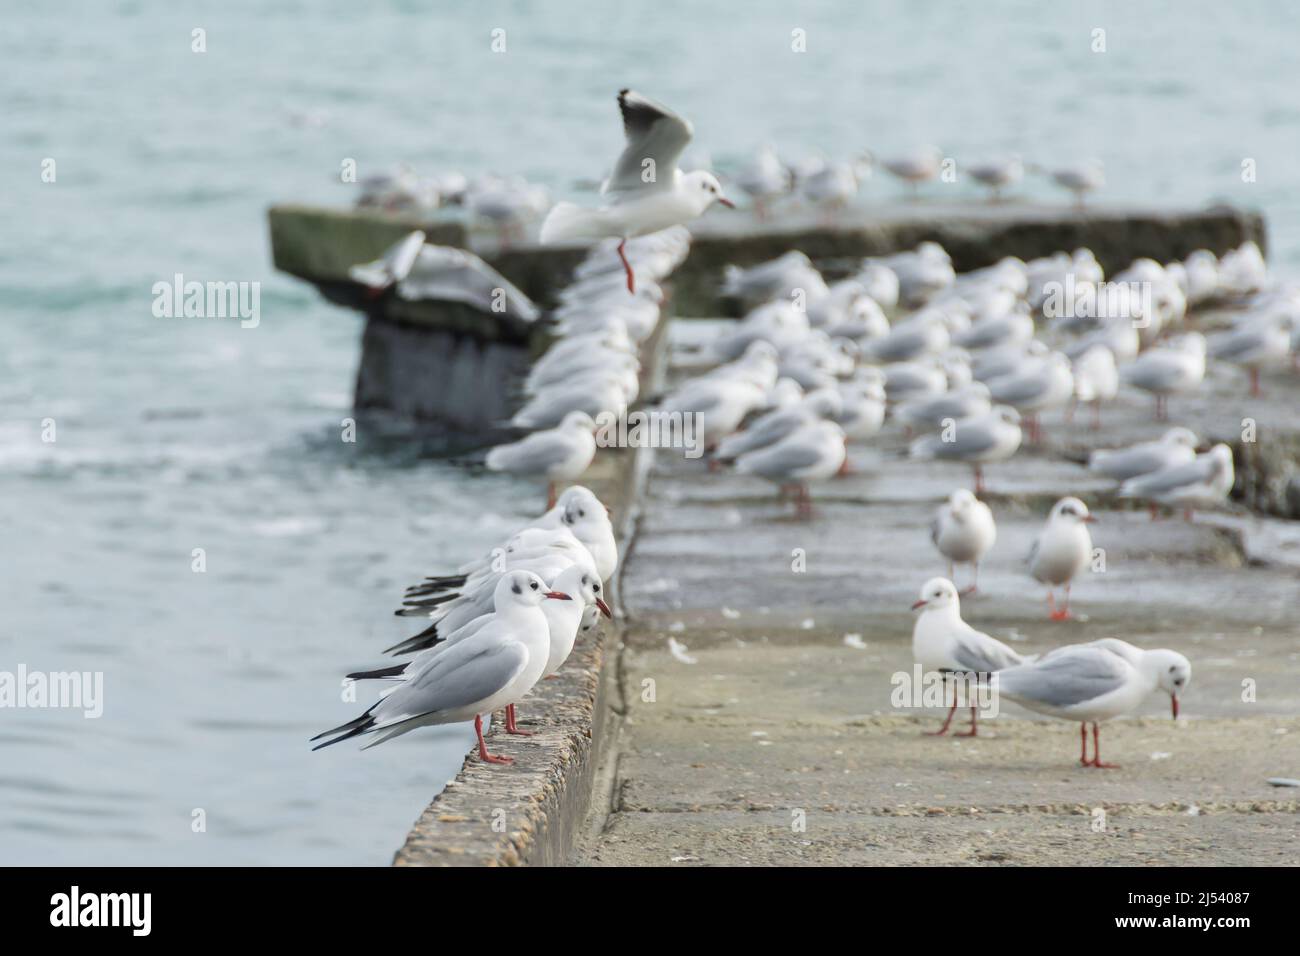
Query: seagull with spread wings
point(646, 192)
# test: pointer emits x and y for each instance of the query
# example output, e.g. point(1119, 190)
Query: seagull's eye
point(581, 513)
point(595, 588)
point(533, 585)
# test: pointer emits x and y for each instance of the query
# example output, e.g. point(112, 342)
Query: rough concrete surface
point(777, 742)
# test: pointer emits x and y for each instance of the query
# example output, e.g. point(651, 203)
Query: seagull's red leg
point(550, 495)
point(975, 578)
point(1083, 744)
point(482, 747)
point(944, 729)
point(1187, 514)
point(511, 727)
point(1063, 613)
point(974, 730)
point(1096, 414)
point(627, 266)
point(1254, 383)
point(979, 479)
point(1096, 750)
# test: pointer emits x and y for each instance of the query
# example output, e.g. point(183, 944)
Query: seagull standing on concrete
point(991, 437)
point(1095, 682)
point(963, 530)
point(1168, 369)
point(943, 642)
point(813, 452)
point(1062, 550)
point(647, 192)
point(560, 454)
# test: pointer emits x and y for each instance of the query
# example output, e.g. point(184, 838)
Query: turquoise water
point(177, 434)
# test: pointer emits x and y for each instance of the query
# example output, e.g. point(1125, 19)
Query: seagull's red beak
point(918, 604)
point(604, 609)
point(1173, 699)
point(726, 202)
point(557, 595)
point(1090, 519)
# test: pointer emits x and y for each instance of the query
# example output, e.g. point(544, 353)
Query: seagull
point(811, 453)
point(942, 642)
point(1062, 550)
point(766, 178)
point(647, 192)
point(1176, 367)
point(1096, 380)
point(1175, 447)
point(561, 453)
point(1205, 481)
point(919, 167)
point(963, 530)
point(772, 426)
point(394, 265)
point(496, 666)
point(1095, 682)
point(997, 174)
point(1081, 179)
point(992, 437)
point(1255, 345)
point(1037, 387)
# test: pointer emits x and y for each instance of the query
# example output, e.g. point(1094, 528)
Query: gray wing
point(460, 676)
point(1013, 391)
point(1240, 342)
point(1068, 676)
point(653, 132)
point(784, 457)
point(977, 651)
point(969, 438)
point(1156, 371)
point(1169, 479)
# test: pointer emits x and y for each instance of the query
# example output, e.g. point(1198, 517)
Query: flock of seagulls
point(965, 365)
point(831, 184)
point(499, 626)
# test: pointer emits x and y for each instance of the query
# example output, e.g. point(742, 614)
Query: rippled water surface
point(181, 434)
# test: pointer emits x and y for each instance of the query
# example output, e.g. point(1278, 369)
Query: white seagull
point(561, 453)
point(646, 192)
point(942, 642)
point(1095, 682)
point(1061, 551)
point(992, 437)
point(963, 530)
point(1175, 447)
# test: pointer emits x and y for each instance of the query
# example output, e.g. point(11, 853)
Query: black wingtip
point(380, 672)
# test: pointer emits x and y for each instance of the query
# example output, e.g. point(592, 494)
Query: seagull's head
point(961, 502)
point(1181, 436)
point(706, 189)
point(526, 589)
point(1172, 671)
point(585, 516)
point(1072, 510)
point(937, 593)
